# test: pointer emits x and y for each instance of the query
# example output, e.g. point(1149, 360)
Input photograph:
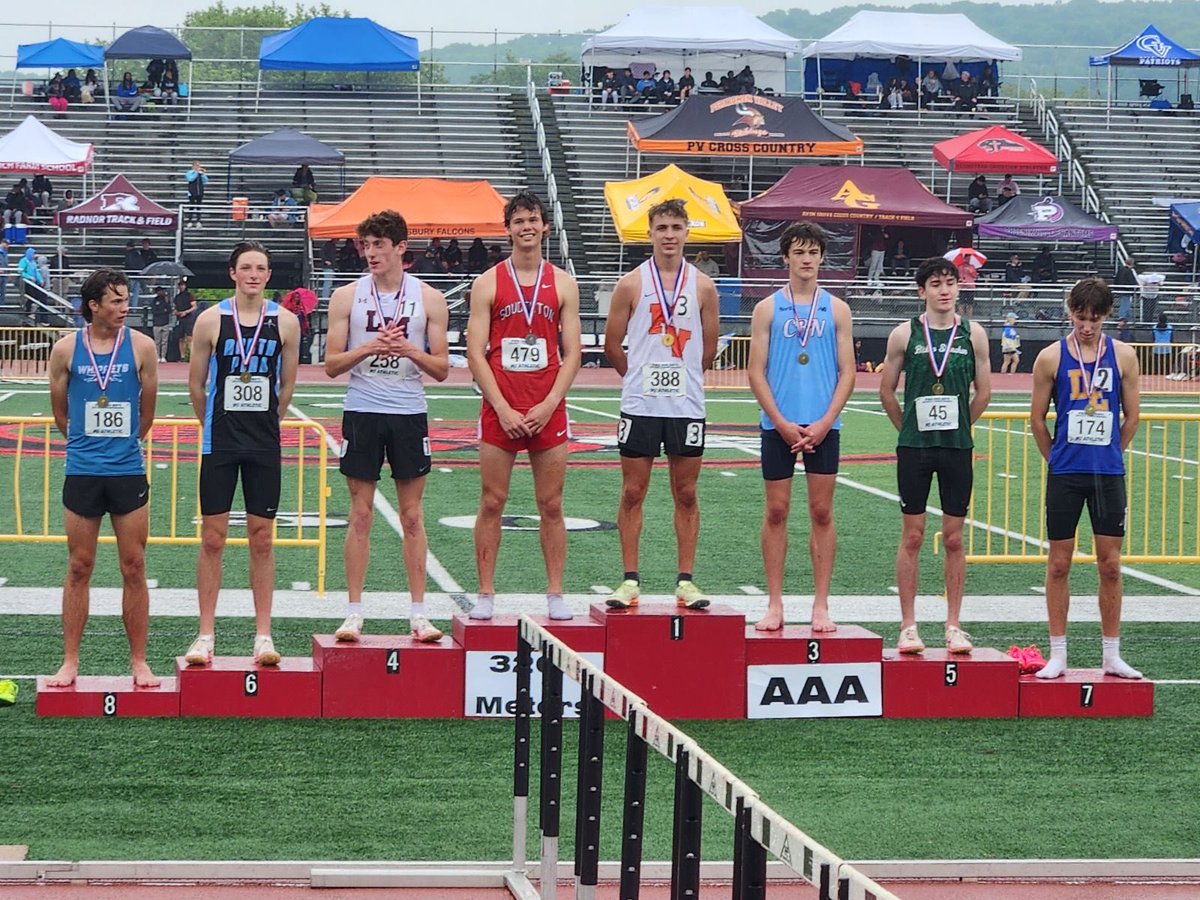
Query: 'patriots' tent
point(1152, 52)
point(1036, 218)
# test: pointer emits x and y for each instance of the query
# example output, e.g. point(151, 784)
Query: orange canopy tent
point(431, 206)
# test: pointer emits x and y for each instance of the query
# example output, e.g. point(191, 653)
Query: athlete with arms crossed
point(669, 312)
point(379, 328)
point(943, 357)
point(802, 372)
point(522, 311)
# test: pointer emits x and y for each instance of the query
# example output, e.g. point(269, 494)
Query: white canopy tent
point(923, 37)
point(32, 147)
point(707, 38)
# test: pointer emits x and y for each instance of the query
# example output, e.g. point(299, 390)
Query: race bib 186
point(111, 421)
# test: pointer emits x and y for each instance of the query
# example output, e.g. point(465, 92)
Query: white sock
point(417, 609)
point(354, 608)
point(1113, 664)
point(1057, 665)
point(482, 610)
point(557, 607)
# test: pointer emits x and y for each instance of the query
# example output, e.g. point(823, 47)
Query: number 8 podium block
point(109, 697)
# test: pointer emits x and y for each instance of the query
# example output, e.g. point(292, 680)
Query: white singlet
point(664, 380)
point(386, 384)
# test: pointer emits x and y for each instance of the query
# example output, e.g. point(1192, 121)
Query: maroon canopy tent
point(842, 199)
point(119, 204)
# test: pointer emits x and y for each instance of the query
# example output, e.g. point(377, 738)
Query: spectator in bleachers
point(283, 209)
point(128, 98)
point(197, 180)
point(877, 245)
point(966, 93)
point(186, 310)
point(729, 83)
point(987, 83)
point(56, 94)
point(61, 263)
point(874, 89)
point(745, 80)
point(168, 86)
point(1016, 273)
point(328, 267)
point(453, 255)
point(439, 251)
point(495, 256)
point(148, 254)
point(154, 71)
point(43, 190)
point(349, 259)
point(66, 201)
point(610, 88)
point(1044, 270)
point(428, 263)
point(706, 265)
point(628, 84)
point(1125, 284)
point(979, 199)
point(708, 85)
point(895, 96)
point(687, 83)
point(1006, 190)
point(664, 90)
point(91, 87)
point(1162, 331)
point(900, 263)
point(16, 209)
point(908, 92)
point(476, 257)
point(133, 264)
point(931, 88)
point(646, 86)
point(71, 86)
point(161, 314)
point(967, 276)
point(304, 185)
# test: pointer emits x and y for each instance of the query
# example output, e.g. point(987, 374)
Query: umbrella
point(960, 255)
point(305, 298)
point(167, 267)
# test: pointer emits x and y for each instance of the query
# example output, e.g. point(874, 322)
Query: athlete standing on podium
point(802, 372)
point(241, 377)
point(669, 312)
point(520, 312)
point(103, 385)
point(943, 356)
point(1093, 381)
point(379, 328)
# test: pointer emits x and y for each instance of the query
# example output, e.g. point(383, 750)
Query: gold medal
point(1091, 409)
point(803, 359)
point(938, 388)
point(668, 339)
point(245, 376)
point(102, 401)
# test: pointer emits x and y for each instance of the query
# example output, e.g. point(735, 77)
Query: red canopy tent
point(992, 150)
point(119, 204)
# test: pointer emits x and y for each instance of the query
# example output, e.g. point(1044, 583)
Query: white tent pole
point(917, 85)
point(750, 179)
point(191, 84)
point(820, 93)
point(639, 164)
point(179, 235)
point(1108, 105)
point(258, 89)
point(107, 89)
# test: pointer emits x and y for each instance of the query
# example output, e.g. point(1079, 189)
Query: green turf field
point(866, 510)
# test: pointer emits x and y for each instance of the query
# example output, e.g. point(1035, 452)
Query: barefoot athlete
point(103, 385)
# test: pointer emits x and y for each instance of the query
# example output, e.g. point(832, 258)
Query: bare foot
point(143, 677)
point(821, 623)
point(64, 677)
point(772, 621)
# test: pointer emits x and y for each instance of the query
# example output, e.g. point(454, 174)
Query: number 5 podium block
point(233, 686)
point(940, 685)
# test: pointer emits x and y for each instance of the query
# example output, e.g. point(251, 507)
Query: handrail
point(559, 223)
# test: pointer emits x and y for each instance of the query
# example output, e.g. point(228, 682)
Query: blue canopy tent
point(1183, 236)
point(1152, 52)
point(58, 54)
point(149, 42)
point(338, 44)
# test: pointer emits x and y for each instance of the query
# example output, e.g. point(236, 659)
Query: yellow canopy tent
point(711, 219)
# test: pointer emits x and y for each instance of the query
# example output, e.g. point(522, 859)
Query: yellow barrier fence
point(1169, 368)
point(25, 352)
point(1006, 522)
point(173, 470)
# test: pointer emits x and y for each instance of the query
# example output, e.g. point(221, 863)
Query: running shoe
point(957, 640)
point(265, 653)
point(625, 596)
point(557, 609)
point(482, 610)
point(351, 629)
point(910, 641)
point(423, 631)
point(201, 651)
point(689, 596)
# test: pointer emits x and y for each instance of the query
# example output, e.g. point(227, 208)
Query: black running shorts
point(955, 469)
point(260, 474)
point(369, 437)
point(93, 496)
point(779, 462)
point(642, 436)
point(1066, 495)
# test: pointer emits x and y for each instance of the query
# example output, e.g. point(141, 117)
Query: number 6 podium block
point(233, 686)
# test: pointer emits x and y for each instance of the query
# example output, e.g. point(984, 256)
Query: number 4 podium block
point(798, 673)
point(233, 686)
point(93, 695)
point(940, 685)
point(389, 676)
point(1086, 692)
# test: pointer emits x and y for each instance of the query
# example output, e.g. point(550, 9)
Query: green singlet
point(919, 381)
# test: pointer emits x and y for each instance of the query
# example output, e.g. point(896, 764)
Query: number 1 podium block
point(103, 695)
point(798, 673)
point(940, 685)
point(233, 686)
point(685, 663)
point(389, 676)
point(490, 683)
point(1085, 692)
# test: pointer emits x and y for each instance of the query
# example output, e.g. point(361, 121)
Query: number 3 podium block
point(797, 673)
point(490, 684)
point(1086, 692)
point(103, 695)
point(233, 686)
point(382, 676)
point(687, 664)
point(940, 685)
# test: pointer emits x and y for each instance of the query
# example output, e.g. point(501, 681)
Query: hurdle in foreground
point(757, 828)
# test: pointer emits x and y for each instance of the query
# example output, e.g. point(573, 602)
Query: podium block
point(490, 665)
point(940, 685)
point(381, 676)
point(797, 673)
point(687, 664)
point(233, 686)
point(1085, 692)
point(108, 696)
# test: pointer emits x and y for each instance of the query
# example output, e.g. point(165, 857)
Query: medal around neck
point(102, 378)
